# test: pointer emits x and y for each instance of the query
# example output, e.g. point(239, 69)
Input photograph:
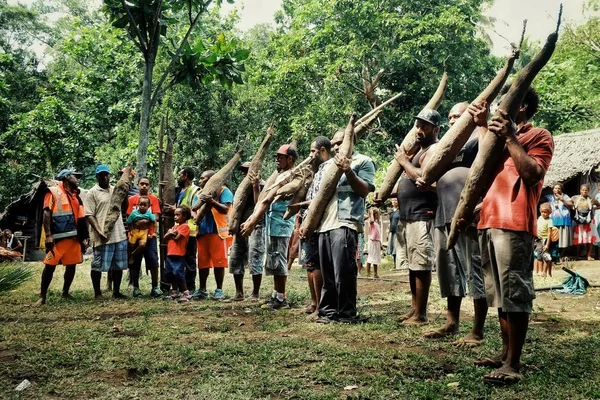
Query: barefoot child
point(139, 221)
point(374, 257)
point(543, 259)
point(177, 239)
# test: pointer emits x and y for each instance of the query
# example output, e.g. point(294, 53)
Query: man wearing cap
point(342, 221)
point(417, 212)
point(110, 248)
point(279, 232)
point(250, 250)
point(213, 238)
point(150, 254)
point(63, 212)
point(186, 194)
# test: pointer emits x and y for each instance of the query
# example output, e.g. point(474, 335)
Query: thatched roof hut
point(575, 161)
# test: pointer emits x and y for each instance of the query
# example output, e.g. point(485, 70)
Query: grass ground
point(219, 350)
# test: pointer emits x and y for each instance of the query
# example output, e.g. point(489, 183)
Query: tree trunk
point(145, 117)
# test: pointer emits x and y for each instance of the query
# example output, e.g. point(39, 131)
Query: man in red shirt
point(507, 228)
point(150, 254)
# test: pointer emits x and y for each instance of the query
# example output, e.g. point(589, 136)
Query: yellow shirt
point(543, 227)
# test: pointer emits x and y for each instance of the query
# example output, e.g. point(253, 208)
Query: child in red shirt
point(177, 239)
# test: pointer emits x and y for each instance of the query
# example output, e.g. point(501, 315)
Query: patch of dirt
point(7, 355)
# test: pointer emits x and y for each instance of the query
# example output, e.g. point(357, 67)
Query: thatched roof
point(574, 153)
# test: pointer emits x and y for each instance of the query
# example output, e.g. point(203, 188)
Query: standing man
point(110, 248)
point(392, 241)
point(507, 228)
point(338, 236)
point(459, 267)
point(250, 250)
point(320, 150)
point(213, 238)
point(186, 194)
point(279, 232)
point(63, 212)
point(417, 212)
point(150, 254)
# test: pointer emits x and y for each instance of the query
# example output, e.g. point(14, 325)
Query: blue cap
point(66, 172)
point(102, 168)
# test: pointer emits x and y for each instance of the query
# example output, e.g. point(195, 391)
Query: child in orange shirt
point(177, 240)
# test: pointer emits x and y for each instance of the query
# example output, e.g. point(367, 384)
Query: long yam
point(450, 144)
point(410, 144)
point(117, 197)
point(214, 185)
point(245, 189)
point(491, 149)
point(328, 186)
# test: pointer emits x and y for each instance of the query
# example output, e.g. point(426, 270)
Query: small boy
point(139, 221)
point(177, 239)
point(543, 259)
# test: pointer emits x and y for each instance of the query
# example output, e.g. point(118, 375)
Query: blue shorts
point(150, 255)
point(175, 269)
point(112, 256)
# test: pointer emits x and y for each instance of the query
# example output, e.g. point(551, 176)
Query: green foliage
point(11, 276)
point(569, 85)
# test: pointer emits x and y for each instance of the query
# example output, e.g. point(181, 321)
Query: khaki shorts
point(415, 240)
point(507, 264)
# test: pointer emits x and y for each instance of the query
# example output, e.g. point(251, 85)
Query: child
point(139, 221)
point(177, 240)
point(374, 256)
point(543, 259)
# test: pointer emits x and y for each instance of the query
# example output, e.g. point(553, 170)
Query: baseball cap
point(287, 150)
point(244, 166)
point(431, 116)
point(102, 168)
point(66, 172)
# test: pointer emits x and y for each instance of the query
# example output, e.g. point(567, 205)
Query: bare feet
point(313, 316)
point(446, 330)
point(376, 276)
point(416, 320)
point(406, 316)
point(41, 301)
point(99, 297)
point(494, 362)
point(238, 297)
point(254, 298)
point(310, 309)
point(469, 341)
point(67, 296)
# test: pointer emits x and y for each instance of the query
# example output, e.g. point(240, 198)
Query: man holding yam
point(507, 228)
point(417, 213)
point(338, 236)
point(459, 267)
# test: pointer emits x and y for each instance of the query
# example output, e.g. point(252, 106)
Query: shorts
point(416, 244)
point(277, 249)
point(112, 256)
point(212, 251)
point(175, 269)
point(150, 256)
point(309, 253)
point(248, 251)
point(459, 269)
point(138, 234)
point(507, 264)
point(374, 254)
point(66, 252)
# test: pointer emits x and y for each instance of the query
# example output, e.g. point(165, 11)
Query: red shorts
point(212, 251)
point(66, 252)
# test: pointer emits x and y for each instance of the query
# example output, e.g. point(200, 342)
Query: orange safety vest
point(64, 216)
point(222, 220)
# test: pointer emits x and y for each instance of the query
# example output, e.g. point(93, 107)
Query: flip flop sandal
point(488, 362)
point(503, 378)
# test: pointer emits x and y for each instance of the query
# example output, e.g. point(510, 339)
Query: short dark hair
point(189, 172)
point(531, 99)
point(186, 211)
point(322, 141)
point(144, 198)
point(144, 177)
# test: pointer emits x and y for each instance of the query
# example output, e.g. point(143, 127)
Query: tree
point(146, 21)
